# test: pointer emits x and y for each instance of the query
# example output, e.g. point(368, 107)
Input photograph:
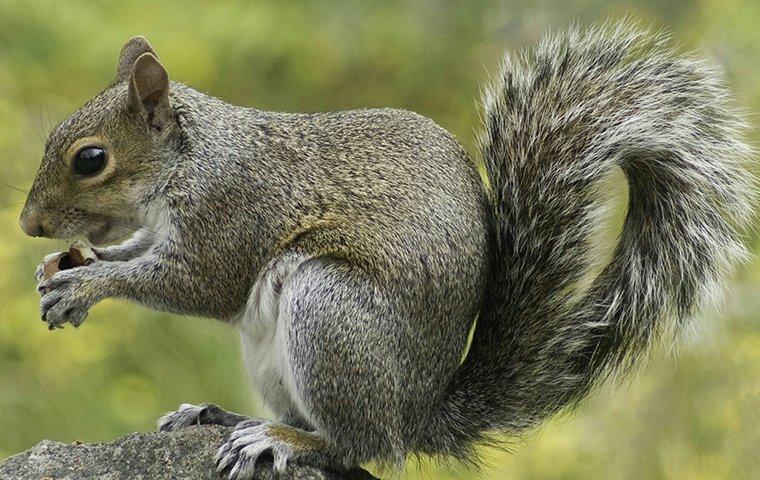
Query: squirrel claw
point(186, 416)
point(64, 300)
point(250, 442)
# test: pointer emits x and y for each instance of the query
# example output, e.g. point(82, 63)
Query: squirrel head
point(102, 160)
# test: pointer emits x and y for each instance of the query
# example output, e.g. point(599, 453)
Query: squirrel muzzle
point(34, 223)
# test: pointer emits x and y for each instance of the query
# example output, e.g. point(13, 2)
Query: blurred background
point(694, 415)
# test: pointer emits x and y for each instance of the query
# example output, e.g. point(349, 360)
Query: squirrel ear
point(131, 50)
point(149, 90)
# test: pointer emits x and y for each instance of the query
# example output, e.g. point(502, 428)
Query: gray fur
point(556, 120)
point(376, 244)
point(136, 245)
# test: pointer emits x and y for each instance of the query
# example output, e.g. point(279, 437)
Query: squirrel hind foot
point(254, 444)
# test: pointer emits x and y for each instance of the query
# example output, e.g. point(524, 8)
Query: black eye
point(89, 161)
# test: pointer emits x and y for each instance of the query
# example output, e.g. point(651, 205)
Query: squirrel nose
point(34, 225)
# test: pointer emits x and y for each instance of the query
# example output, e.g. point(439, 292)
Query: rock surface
point(186, 454)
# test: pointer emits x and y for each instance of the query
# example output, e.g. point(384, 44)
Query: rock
point(185, 454)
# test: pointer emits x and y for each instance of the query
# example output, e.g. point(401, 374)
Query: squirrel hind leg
point(340, 367)
point(204, 414)
point(295, 348)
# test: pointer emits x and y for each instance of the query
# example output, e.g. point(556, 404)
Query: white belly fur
point(263, 334)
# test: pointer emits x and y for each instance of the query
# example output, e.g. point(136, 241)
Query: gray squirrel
point(355, 250)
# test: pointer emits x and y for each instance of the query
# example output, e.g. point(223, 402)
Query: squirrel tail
point(556, 121)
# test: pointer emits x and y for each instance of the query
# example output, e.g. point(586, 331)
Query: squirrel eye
point(89, 161)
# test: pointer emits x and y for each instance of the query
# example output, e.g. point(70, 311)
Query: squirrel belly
point(263, 336)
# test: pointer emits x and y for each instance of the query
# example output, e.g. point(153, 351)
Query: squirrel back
point(556, 121)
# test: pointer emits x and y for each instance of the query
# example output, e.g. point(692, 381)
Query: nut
point(79, 255)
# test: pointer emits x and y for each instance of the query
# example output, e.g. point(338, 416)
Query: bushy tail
point(556, 121)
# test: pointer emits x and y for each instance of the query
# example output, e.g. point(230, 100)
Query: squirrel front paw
point(66, 298)
point(255, 439)
point(185, 416)
point(203, 414)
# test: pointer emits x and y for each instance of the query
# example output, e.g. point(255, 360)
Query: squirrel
point(357, 251)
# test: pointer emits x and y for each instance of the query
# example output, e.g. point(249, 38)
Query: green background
point(692, 415)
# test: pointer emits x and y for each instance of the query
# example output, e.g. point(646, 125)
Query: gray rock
point(185, 454)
